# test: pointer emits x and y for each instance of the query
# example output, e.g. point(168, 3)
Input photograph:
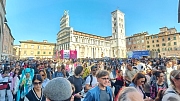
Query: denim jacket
point(94, 94)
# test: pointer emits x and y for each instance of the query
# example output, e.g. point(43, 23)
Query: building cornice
point(34, 42)
point(1, 1)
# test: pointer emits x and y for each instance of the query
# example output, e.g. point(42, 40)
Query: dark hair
point(15, 72)
point(158, 73)
point(102, 73)
point(6, 69)
point(62, 67)
point(137, 77)
point(78, 70)
point(37, 77)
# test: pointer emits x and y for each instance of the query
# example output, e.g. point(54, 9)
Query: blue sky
point(40, 19)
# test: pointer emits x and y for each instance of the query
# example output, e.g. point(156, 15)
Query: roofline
point(88, 34)
point(9, 30)
point(35, 42)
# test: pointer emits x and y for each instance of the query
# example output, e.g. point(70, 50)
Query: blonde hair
point(44, 71)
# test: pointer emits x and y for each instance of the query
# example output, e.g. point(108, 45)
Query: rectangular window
point(169, 44)
point(174, 37)
point(163, 44)
point(44, 52)
point(49, 52)
point(38, 52)
point(148, 46)
point(25, 53)
point(32, 52)
point(39, 47)
point(157, 40)
point(32, 46)
point(162, 39)
point(25, 46)
point(169, 38)
point(153, 45)
point(175, 43)
point(157, 45)
point(147, 42)
point(152, 41)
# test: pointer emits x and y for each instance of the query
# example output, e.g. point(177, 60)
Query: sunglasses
point(142, 81)
point(36, 83)
point(177, 78)
point(105, 78)
point(42, 75)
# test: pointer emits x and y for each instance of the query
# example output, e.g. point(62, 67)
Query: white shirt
point(94, 81)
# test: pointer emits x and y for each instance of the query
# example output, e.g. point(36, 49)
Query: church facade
point(93, 46)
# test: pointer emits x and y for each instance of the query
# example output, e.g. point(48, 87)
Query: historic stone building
point(35, 50)
point(7, 43)
point(166, 43)
point(93, 46)
point(2, 18)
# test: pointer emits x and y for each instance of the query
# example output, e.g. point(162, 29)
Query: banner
point(138, 54)
point(68, 54)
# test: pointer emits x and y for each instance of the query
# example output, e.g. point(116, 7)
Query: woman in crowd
point(138, 81)
point(174, 89)
point(36, 94)
point(5, 82)
point(44, 78)
point(158, 85)
point(25, 84)
point(119, 83)
point(15, 83)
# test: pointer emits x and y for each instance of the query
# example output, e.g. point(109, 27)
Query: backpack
point(91, 79)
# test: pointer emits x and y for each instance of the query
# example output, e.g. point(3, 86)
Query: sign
point(138, 54)
point(68, 54)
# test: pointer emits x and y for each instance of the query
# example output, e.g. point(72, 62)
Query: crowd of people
point(112, 79)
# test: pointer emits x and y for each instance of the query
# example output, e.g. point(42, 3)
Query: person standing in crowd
point(102, 92)
point(58, 89)
point(174, 90)
point(129, 74)
point(138, 81)
point(25, 84)
point(91, 80)
point(127, 94)
point(119, 83)
point(44, 77)
point(77, 81)
point(158, 85)
point(36, 93)
point(169, 68)
point(5, 83)
point(15, 83)
point(59, 72)
point(48, 70)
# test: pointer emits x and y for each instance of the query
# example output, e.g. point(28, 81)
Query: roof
point(117, 11)
point(88, 35)
point(36, 42)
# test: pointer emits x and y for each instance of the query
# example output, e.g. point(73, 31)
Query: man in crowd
point(91, 80)
point(129, 74)
point(102, 92)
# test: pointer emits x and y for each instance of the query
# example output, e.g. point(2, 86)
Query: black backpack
point(91, 79)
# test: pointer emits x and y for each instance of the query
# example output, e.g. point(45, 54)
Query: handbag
point(3, 86)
